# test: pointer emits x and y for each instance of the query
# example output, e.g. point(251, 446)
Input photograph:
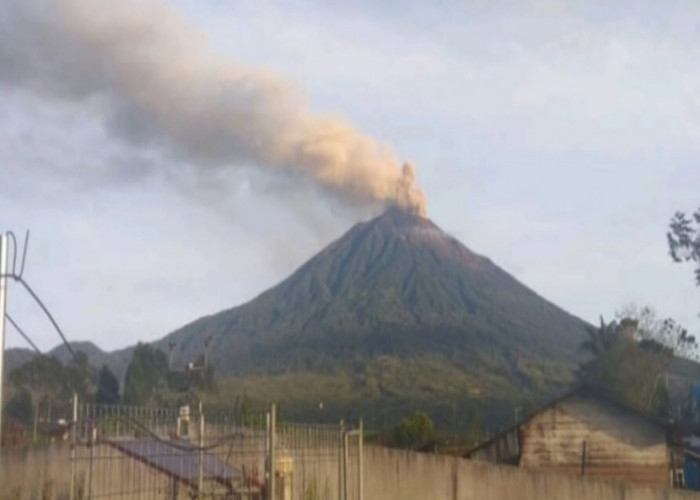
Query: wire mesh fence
point(309, 461)
point(135, 452)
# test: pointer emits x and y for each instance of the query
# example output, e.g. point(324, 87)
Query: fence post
point(73, 444)
point(266, 464)
point(340, 461)
point(200, 475)
point(271, 454)
point(93, 438)
point(360, 478)
point(345, 464)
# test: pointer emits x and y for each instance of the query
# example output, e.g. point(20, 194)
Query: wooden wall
point(609, 440)
point(503, 449)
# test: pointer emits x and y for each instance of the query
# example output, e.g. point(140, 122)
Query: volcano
point(395, 289)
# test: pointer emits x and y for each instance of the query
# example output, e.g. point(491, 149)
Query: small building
point(585, 432)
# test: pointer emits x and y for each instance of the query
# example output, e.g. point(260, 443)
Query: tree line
point(41, 390)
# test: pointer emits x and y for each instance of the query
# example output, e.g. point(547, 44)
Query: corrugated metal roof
point(177, 463)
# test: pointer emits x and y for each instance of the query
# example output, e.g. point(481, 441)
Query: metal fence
point(136, 452)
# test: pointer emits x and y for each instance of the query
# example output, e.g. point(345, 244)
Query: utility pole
point(3, 312)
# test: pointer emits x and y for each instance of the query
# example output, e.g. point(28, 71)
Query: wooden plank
point(619, 443)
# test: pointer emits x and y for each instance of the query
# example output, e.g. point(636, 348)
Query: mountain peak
point(397, 213)
point(417, 231)
point(396, 220)
point(395, 285)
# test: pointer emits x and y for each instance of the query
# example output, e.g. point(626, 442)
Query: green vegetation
point(39, 392)
point(46, 378)
point(383, 391)
point(20, 407)
point(146, 376)
point(107, 387)
point(629, 356)
point(414, 432)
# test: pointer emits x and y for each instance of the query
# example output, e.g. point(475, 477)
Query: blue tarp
point(690, 471)
point(696, 393)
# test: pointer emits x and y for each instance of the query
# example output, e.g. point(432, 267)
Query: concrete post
point(200, 475)
point(93, 439)
point(345, 465)
point(360, 478)
point(340, 460)
point(73, 444)
point(272, 452)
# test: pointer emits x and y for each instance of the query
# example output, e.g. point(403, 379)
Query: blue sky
point(555, 137)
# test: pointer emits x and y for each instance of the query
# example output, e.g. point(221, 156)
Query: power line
point(134, 422)
point(26, 286)
point(21, 332)
point(11, 235)
point(18, 278)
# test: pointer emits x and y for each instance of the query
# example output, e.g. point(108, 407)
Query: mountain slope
point(117, 361)
point(95, 355)
point(16, 357)
point(394, 286)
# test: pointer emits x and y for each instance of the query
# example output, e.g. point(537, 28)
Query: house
point(586, 432)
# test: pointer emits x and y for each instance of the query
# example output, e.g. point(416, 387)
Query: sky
point(557, 138)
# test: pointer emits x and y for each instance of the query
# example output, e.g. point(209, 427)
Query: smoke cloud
point(158, 85)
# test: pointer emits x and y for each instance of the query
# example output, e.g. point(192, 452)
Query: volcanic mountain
point(395, 291)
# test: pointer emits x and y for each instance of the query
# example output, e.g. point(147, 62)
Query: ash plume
point(157, 84)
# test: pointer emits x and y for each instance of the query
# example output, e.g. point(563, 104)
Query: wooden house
point(584, 432)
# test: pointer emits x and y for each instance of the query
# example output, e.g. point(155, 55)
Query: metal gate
point(178, 453)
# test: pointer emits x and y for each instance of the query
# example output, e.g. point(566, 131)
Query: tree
point(415, 431)
point(81, 359)
point(629, 355)
point(48, 381)
point(146, 375)
point(474, 424)
point(47, 377)
point(654, 333)
point(620, 367)
point(599, 340)
point(107, 387)
point(684, 240)
point(18, 418)
point(20, 408)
